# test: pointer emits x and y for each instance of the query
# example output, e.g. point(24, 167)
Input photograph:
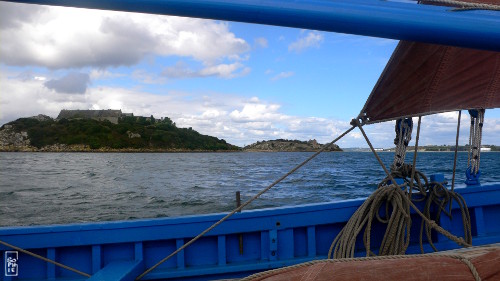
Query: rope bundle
point(403, 130)
point(397, 201)
point(396, 238)
point(441, 197)
point(475, 136)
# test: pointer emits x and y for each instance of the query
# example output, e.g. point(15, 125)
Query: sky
point(239, 82)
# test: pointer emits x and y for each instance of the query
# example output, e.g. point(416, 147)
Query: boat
point(437, 45)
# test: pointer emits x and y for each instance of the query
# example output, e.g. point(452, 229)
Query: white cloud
point(282, 75)
point(182, 70)
point(238, 120)
point(261, 42)
point(56, 37)
point(71, 83)
point(97, 74)
point(311, 39)
point(224, 70)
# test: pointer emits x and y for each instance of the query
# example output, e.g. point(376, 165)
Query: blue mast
point(404, 20)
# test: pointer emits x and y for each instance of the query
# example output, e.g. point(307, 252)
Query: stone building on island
point(110, 114)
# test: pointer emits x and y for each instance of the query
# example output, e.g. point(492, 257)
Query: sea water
point(60, 188)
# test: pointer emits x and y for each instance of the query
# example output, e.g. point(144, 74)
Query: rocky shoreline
point(282, 145)
point(18, 140)
point(12, 141)
point(87, 149)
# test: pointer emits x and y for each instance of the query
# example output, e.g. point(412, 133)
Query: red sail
point(423, 79)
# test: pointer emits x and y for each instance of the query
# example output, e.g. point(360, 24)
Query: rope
point(456, 152)
point(273, 272)
point(403, 130)
point(397, 213)
point(397, 235)
point(244, 204)
point(475, 137)
point(463, 6)
point(45, 259)
point(415, 157)
point(441, 196)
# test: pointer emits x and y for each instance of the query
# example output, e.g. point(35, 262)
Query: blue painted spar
point(402, 20)
point(271, 238)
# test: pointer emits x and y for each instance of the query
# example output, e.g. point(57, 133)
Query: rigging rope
point(474, 155)
point(44, 259)
point(415, 156)
point(456, 151)
point(395, 203)
point(244, 204)
point(403, 130)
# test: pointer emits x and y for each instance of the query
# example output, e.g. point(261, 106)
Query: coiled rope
point(396, 200)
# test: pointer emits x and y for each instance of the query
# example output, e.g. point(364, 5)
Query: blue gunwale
point(304, 233)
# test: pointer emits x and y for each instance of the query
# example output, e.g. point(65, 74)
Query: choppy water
point(53, 188)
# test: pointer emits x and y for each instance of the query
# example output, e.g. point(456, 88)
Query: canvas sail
point(422, 79)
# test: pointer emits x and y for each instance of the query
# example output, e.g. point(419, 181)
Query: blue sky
point(236, 81)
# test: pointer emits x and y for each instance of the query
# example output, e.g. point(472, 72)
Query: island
point(104, 131)
point(115, 131)
point(284, 145)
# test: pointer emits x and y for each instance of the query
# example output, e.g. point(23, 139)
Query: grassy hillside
point(130, 132)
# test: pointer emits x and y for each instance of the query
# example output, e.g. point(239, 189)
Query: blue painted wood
point(311, 241)
point(480, 223)
point(51, 268)
point(402, 20)
point(96, 258)
point(264, 249)
point(119, 270)
point(303, 233)
point(273, 244)
point(180, 256)
point(221, 245)
point(139, 251)
point(286, 245)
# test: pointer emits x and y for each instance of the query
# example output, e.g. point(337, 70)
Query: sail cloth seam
point(362, 113)
point(436, 79)
point(494, 86)
point(464, 6)
point(244, 204)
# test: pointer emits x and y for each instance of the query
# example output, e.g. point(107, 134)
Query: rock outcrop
point(11, 140)
point(282, 145)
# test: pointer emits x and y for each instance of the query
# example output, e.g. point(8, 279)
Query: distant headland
point(115, 131)
point(283, 145)
point(104, 131)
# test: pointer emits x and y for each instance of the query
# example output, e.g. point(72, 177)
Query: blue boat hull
point(271, 238)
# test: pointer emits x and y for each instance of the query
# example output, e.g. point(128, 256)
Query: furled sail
point(422, 79)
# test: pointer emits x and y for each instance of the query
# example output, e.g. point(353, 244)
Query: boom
point(403, 20)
